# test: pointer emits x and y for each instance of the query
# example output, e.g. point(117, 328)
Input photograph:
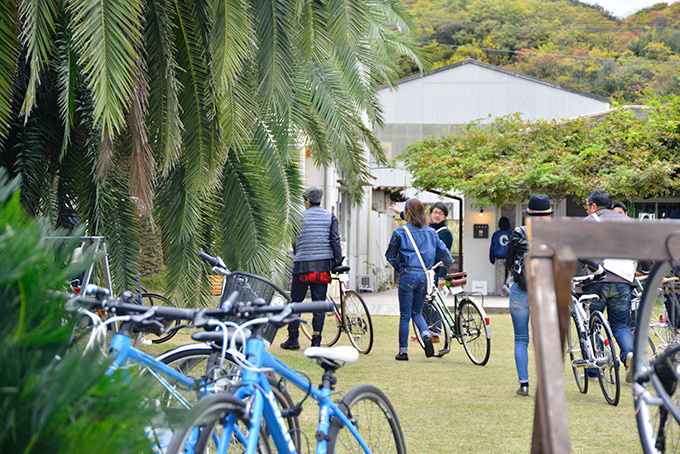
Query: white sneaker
point(629, 367)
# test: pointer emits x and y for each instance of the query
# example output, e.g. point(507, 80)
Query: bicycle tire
point(153, 332)
point(655, 397)
point(331, 326)
point(604, 351)
point(471, 326)
point(437, 326)
point(576, 353)
point(206, 421)
point(357, 323)
point(374, 417)
point(193, 360)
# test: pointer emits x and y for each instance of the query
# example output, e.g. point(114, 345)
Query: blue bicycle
point(181, 378)
point(250, 419)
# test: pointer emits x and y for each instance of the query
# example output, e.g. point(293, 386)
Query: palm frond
point(180, 215)
point(275, 28)
point(68, 78)
point(142, 163)
point(107, 36)
point(231, 40)
point(257, 231)
point(38, 18)
point(165, 126)
point(200, 138)
point(9, 52)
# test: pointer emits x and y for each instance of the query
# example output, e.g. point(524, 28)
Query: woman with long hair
point(414, 248)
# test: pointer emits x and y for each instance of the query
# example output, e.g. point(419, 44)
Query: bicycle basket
point(249, 288)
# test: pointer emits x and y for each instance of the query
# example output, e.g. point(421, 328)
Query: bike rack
point(555, 245)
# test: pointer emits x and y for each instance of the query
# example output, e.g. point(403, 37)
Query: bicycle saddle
point(340, 269)
point(343, 353)
point(457, 278)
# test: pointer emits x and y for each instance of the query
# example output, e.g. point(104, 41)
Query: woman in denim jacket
point(402, 255)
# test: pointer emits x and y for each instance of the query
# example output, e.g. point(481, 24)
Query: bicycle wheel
point(152, 332)
point(357, 322)
point(375, 419)
point(577, 356)
point(606, 360)
point(472, 327)
point(655, 396)
point(194, 360)
point(437, 326)
point(331, 326)
point(202, 427)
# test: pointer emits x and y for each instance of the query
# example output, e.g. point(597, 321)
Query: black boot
point(290, 344)
point(316, 340)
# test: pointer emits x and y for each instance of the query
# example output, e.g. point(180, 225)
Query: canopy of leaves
point(53, 398)
point(628, 156)
point(563, 41)
point(196, 111)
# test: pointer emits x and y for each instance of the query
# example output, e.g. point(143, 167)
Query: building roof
point(472, 61)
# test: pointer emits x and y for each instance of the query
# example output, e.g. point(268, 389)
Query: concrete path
point(387, 302)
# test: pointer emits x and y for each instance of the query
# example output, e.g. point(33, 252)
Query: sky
point(624, 8)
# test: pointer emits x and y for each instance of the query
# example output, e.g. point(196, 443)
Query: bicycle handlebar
point(97, 298)
point(597, 275)
point(213, 261)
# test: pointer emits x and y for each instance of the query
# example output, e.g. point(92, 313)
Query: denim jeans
point(412, 291)
point(519, 312)
point(616, 298)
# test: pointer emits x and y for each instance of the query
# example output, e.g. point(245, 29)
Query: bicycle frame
point(582, 323)
point(122, 350)
point(255, 386)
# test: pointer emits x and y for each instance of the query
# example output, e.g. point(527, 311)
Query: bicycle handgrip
point(213, 261)
point(314, 306)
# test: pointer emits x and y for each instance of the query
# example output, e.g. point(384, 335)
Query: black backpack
point(520, 251)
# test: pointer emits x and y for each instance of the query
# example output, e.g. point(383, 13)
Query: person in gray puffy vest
point(317, 251)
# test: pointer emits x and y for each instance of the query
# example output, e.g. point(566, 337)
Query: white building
point(441, 102)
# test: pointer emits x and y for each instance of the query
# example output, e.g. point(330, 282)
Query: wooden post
point(555, 244)
point(551, 431)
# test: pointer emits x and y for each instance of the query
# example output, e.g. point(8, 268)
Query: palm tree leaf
point(275, 27)
point(181, 213)
point(9, 51)
point(68, 78)
point(107, 36)
point(142, 163)
point(165, 126)
point(38, 19)
point(200, 138)
point(231, 40)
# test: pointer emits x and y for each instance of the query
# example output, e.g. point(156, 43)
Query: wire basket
point(249, 288)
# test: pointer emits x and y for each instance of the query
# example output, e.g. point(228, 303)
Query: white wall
point(472, 91)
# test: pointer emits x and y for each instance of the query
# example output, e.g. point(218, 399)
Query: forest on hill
point(562, 41)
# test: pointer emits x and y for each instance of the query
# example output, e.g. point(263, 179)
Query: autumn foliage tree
point(565, 41)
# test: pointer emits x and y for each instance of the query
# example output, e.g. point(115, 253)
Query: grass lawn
point(449, 405)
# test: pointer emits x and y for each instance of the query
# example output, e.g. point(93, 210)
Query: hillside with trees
point(564, 41)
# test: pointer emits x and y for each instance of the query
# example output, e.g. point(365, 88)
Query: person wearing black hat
point(539, 206)
point(614, 290)
point(317, 251)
